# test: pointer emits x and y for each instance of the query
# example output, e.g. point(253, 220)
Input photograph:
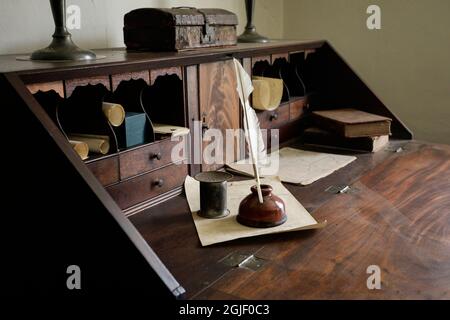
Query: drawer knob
point(274, 117)
point(156, 156)
point(159, 182)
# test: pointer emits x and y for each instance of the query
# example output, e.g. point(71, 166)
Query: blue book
point(135, 128)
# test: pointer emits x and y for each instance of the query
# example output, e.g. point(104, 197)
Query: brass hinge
point(340, 189)
point(242, 260)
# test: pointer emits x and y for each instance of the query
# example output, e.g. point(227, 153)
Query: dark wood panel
point(116, 79)
point(193, 116)
point(297, 108)
point(146, 158)
point(58, 86)
point(124, 61)
point(219, 102)
point(70, 85)
point(106, 170)
point(420, 191)
point(141, 188)
point(274, 119)
point(211, 294)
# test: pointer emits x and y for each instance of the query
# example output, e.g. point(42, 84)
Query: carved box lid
point(181, 16)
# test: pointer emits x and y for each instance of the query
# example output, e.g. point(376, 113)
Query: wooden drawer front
point(296, 109)
point(145, 159)
point(139, 189)
point(274, 119)
point(106, 170)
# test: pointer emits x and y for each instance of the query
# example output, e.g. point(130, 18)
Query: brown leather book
point(352, 123)
point(320, 137)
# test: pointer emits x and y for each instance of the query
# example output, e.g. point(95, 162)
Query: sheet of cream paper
point(297, 166)
point(211, 231)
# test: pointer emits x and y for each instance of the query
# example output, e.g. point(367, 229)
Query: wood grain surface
point(106, 170)
point(397, 216)
point(219, 102)
point(297, 108)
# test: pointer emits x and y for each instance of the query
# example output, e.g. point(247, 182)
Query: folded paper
point(296, 166)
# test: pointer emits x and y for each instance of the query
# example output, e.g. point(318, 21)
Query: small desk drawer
point(147, 158)
point(274, 119)
point(105, 169)
point(147, 186)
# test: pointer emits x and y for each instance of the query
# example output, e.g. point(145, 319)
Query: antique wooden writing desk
point(396, 215)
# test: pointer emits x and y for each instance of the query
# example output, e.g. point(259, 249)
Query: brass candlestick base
point(250, 34)
point(62, 46)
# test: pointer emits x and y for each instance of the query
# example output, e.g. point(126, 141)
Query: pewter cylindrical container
point(213, 194)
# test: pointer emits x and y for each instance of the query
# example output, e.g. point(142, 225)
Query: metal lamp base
point(251, 36)
point(63, 49)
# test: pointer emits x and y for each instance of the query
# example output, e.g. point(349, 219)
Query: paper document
point(211, 231)
point(296, 166)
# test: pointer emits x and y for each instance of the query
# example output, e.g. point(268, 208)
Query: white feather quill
point(251, 123)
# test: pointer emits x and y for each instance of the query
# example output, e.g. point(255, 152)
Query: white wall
point(27, 25)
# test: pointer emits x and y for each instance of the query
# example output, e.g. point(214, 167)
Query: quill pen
point(251, 123)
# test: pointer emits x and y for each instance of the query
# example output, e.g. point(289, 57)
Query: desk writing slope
point(55, 219)
point(78, 207)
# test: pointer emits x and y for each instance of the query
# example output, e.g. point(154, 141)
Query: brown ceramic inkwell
point(270, 213)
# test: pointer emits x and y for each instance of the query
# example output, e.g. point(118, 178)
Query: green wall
point(406, 63)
